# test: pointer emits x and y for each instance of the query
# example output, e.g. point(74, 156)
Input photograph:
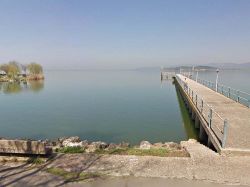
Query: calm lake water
point(111, 106)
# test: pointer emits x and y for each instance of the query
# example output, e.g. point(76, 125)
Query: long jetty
point(222, 117)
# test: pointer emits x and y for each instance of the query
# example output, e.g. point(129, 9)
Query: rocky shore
point(92, 147)
point(74, 169)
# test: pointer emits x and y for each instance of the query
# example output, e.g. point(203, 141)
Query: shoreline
point(35, 77)
point(74, 145)
point(202, 165)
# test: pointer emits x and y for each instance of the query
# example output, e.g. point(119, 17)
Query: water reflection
point(189, 126)
point(17, 87)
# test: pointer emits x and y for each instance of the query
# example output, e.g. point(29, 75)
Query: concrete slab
point(23, 147)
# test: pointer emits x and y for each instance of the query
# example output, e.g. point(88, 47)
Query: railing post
point(225, 131)
point(202, 105)
point(210, 117)
point(192, 95)
point(238, 96)
point(222, 90)
point(196, 99)
point(229, 94)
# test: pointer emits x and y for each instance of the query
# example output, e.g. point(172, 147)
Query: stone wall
point(23, 147)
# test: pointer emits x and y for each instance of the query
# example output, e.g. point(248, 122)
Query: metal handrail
point(227, 91)
point(207, 112)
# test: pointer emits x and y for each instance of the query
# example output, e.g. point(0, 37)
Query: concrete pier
point(223, 122)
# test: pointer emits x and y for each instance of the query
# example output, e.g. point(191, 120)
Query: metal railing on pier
point(234, 94)
point(215, 122)
point(167, 75)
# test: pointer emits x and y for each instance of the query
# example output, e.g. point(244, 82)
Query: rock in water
point(124, 145)
point(73, 141)
point(172, 145)
point(91, 148)
point(145, 145)
point(158, 145)
point(100, 145)
point(95, 146)
point(112, 146)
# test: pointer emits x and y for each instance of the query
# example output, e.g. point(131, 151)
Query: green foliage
point(4, 68)
point(161, 152)
point(149, 152)
point(36, 160)
point(72, 176)
point(35, 68)
point(12, 68)
point(135, 151)
point(70, 150)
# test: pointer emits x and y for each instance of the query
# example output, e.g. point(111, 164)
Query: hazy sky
point(124, 33)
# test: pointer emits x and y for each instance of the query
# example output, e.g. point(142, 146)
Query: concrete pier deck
point(237, 115)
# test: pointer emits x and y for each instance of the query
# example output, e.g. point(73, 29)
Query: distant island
point(210, 67)
point(17, 72)
point(231, 66)
point(191, 68)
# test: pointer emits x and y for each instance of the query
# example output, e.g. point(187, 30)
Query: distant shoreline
point(22, 78)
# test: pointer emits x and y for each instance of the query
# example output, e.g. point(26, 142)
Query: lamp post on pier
point(197, 74)
point(217, 78)
point(192, 72)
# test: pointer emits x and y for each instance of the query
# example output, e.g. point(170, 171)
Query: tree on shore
point(35, 68)
point(4, 68)
point(11, 69)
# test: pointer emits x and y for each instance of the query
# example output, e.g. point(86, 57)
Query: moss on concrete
point(72, 176)
point(161, 152)
point(71, 150)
